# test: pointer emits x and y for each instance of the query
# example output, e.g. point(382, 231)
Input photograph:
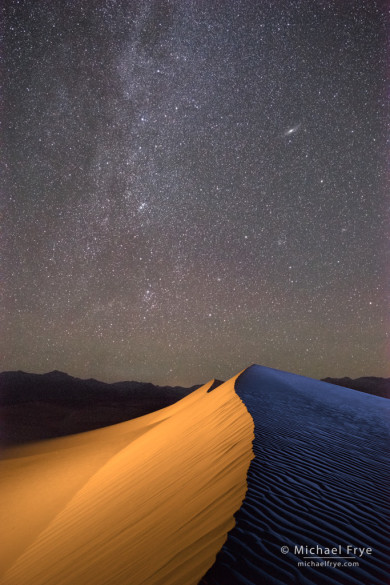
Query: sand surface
point(320, 476)
point(148, 501)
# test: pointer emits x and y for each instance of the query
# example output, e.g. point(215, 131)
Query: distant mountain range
point(34, 407)
point(368, 384)
point(43, 406)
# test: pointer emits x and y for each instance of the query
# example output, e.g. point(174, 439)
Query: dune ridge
point(320, 476)
point(148, 501)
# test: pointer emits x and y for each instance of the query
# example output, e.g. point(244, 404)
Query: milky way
point(192, 187)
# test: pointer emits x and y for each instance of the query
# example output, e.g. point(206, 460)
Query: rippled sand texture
point(148, 501)
point(320, 477)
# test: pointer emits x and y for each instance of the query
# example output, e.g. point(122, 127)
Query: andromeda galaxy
point(292, 130)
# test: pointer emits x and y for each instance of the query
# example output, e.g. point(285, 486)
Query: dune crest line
point(319, 482)
point(145, 501)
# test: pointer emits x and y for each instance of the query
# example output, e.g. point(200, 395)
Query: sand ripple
point(320, 476)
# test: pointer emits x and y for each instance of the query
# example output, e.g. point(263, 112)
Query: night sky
point(194, 186)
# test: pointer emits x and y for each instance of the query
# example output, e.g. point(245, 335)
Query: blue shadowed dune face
point(318, 486)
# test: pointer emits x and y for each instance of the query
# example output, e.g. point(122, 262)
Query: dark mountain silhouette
point(34, 407)
point(368, 384)
point(42, 406)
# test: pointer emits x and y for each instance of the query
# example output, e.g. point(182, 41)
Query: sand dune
point(320, 476)
point(148, 501)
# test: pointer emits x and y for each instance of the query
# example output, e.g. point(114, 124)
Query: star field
point(191, 187)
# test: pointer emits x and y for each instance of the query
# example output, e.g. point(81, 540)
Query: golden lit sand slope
point(146, 501)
